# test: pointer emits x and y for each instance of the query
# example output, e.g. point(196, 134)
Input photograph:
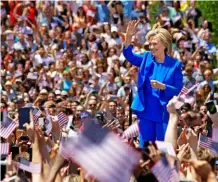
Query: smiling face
point(156, 46)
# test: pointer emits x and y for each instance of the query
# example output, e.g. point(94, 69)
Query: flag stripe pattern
point(7, 128)
point(31, 167)
point(194, 87)
point(205, 142)
point(4, 148)
point(163, 172)
point(184, 91)
point(36, 115)
point(65, 151)
point(62, 119)
point(131, 131)
point(48, 125)
point(108, 160)
point(208, 143)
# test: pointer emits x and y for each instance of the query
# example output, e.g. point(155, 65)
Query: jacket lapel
point(144, 69)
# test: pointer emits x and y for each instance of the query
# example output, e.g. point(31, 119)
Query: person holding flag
point(159, 79)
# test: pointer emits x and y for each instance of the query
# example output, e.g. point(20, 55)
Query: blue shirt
point(127, 7)
point(66, 85)
point(103, 13)
point(209, 46)
point(152, 103)
point(188, 83)
point(135, 14)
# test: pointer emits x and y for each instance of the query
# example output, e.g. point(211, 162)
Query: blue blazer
point(172, 77)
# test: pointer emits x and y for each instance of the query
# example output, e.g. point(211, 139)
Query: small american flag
point(131, 131)
point(62, 119)
point(166, 147)
point(36, 114)
point(48, 125)
point(205, 142)
point(184, 91)
point(66, 151)
point(7, 127)
point(29, 166)
point(4, 148)
point(194, 87)
point(163, 172)
point(102, 154)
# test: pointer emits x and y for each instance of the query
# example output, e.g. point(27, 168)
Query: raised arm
point(134, 59)
point(127, 49)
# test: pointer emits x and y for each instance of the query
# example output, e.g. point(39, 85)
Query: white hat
point(43, 91)
point(115, 57)
point(57, 92)
point(8, 32)
point(114, 29)
point(64, 93)
point(18, 80)
point(26, 94)
point(8, 83)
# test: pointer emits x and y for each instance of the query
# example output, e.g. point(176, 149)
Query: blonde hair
point(165, 38)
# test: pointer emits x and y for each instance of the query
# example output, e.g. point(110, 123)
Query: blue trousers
point(151, 131)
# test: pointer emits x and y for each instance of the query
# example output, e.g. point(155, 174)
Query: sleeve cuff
point(126, 46)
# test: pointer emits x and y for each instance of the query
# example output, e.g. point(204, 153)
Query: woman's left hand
point(157, 84)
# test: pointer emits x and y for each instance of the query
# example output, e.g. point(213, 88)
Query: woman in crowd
point(159, 79)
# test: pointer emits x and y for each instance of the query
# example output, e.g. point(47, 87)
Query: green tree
point(153, 11)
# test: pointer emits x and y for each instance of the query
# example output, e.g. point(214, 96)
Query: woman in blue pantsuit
point(159, 79)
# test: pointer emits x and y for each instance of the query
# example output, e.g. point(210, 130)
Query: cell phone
point(30, 151)
point(24, 161)
point(24, 138)
point(94, 92)
point(211, 107)
point(3, 116)
point(15, 151)
point(3, 172)
point(24, 116)
point(41, 121)
point(113, 97)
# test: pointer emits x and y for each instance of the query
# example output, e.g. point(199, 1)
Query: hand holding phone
point(113, 97)
point(24, 116)
point(211, 107)
point(41, 121)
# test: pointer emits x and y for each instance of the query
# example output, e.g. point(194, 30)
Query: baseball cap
point(8, 83)
point(18, 80)
point(57, 92)
point(114, 29)
point(43, 91)
point(64, 93)
point(84, 114)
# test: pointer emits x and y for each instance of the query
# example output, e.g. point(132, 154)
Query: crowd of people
point(66, 57)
